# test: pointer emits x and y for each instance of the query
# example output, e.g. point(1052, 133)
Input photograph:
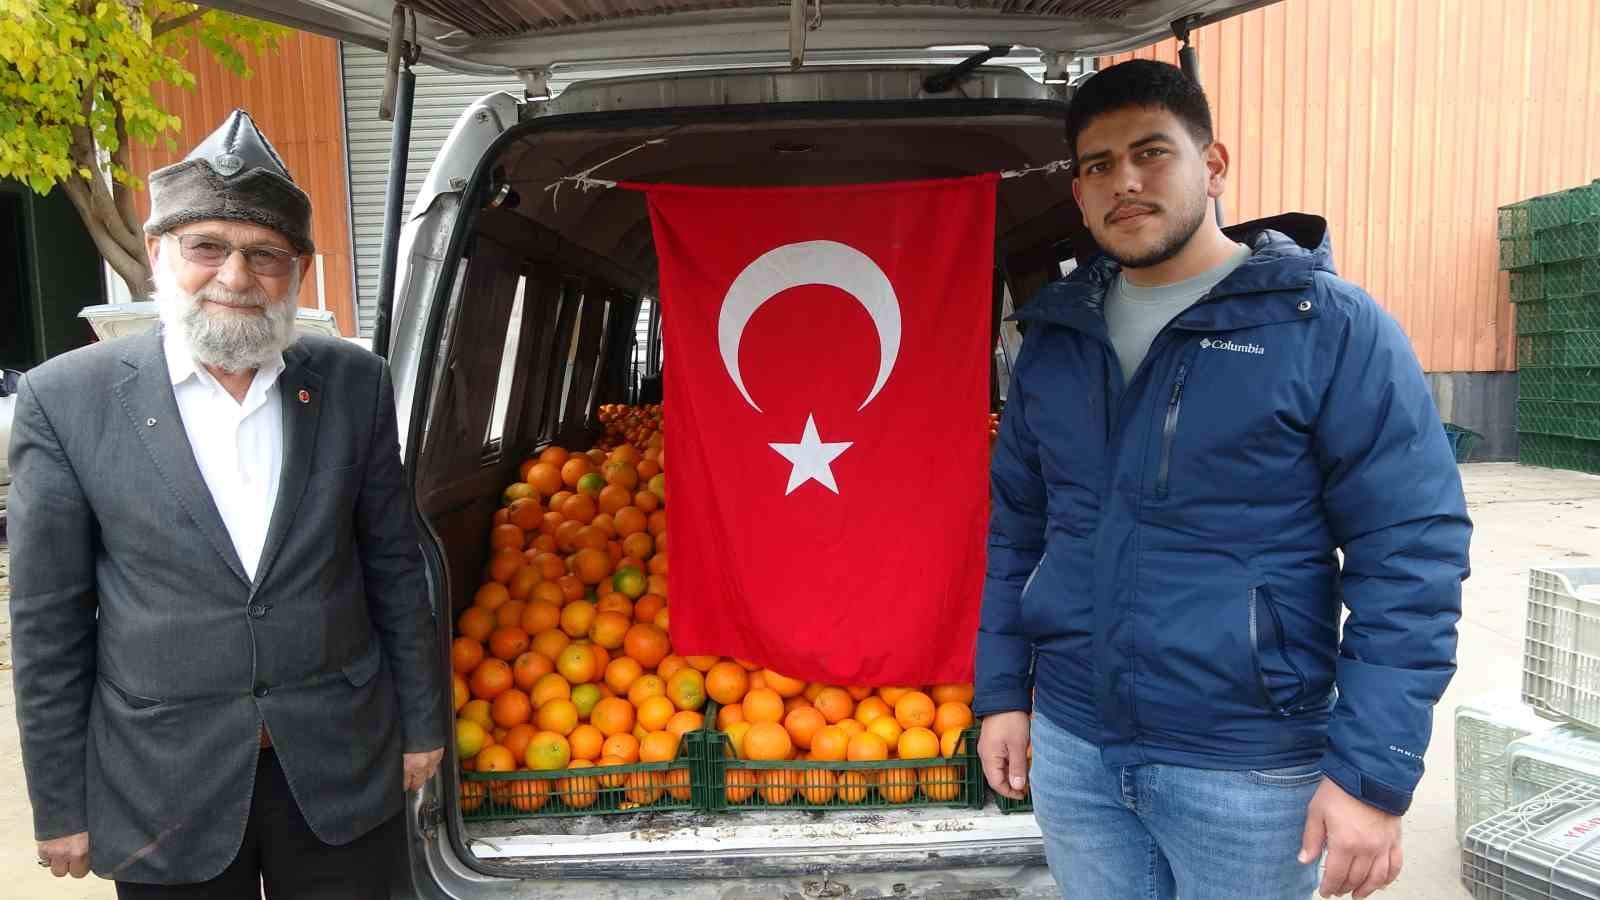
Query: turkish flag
point(826, 366)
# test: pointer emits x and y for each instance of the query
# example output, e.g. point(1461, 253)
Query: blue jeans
point(1156, 832)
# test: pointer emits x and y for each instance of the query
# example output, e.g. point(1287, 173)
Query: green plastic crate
point(1008, 805)
point(1535, 318)
point(1571, 278)
point(1564, 349)
point(1574, 241)
point(1517, 253)
point(1512, 221)
point(601, 790)
point(1559, 417)
point(1583, 203)
point(1547, 383)
point(1556, 452)
point(1527, 286)
point(1547, 211)
point(734, 785)
point(1560, 314)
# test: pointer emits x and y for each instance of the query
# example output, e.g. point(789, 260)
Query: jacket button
point(1305, 305)
point(257, 610)
point(261, 690)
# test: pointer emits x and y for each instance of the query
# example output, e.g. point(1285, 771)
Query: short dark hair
point(1140, 83)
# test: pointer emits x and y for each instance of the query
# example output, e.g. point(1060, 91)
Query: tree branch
point(158, 28)
point(101, 206)
point(134, 269)
point(120, 193)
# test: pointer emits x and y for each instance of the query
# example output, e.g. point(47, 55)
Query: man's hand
point(1363, 843)
point(1003, 748)
point(66, 855)
point(420, 767)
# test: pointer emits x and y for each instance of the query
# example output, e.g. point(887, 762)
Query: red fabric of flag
point(826, 368)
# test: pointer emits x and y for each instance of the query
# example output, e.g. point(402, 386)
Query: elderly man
point(226, 662)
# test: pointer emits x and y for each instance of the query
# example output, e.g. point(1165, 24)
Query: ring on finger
point(44, 863)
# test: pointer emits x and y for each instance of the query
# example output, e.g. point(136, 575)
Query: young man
point(226, 662)
point(1195, 427)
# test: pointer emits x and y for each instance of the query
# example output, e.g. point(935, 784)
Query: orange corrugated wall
point(294, 96)
point(1406, 123)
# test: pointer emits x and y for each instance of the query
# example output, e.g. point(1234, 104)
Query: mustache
point(1129, 204)
point(215, 293)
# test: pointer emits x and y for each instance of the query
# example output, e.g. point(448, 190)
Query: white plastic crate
point(1561, 652)
point(1483, 734)
point(1539, 762)
point(1545, 849)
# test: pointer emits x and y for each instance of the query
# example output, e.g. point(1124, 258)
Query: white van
point(749, 93)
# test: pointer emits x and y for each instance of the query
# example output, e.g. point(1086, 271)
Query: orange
point(522, 582)
point(550, 687)
point(736, 733)
point(496, 759)
point(567, 535)
point(630, 520)
point(545, 478)
point(504, 563)
point(547, 593)
point(950, 743)
point(465, 654)
point(517, 739)
point(620, 473)
point(459, 692)
point(551, 642)
point(671, 666)
point(472, 793)
point(658, 746)
point(571, 588)
point(858, 692)
point(887, 728)
point(685, 721)
point(578, 664)
point(591, 538)
point(951, 716)
point(479, 711)
point(552, 521)
point(553, 455)
point(491, 595)
point(747, 665)
point(657, 584)
point(834, 704)
point(591, 565)
point(475, 623)
point(510, 613)
point(767, 741)
point(511, 708)
point(778, 785)
point(658, 564)
point(525, 513)
point(622, 672)
point(558, 502)
point(529, 668)
point(586, 741)
point(630, 580)
point(819, 786)
point(853, 787)
point(622, 746)
point(851, 727)
point(647, 606)
point(646, 686)
point(647, 644)
point(548, 751)
point(647, 470)
point(613, 716)
point(507, 535)
point(658, 520)
point(490, 679)
point(611, 780)
point(784, 685)
point(578, 791)
point(575, 468)
point(892, 695)
point(550, 566)
point(870, 709)
point(581, 507)
point(470, 738)
point(541, 614)
point(528, 795)
point(609, 629)
point(867, 747)
point(687, 689)
point(605, 525)
point(917, 743)
point(602, 658)
point(941, 784)
point(576, 617)
point(614, 497)
point(794, 703)
point(677, 782)
point(812, 690)
point(502, 515)
point(654, 713)
point(803, 724)
point(952, 693)
point(898, 785)
point(763, 705)
point(646, 502)
point(643, 788)
point(639, 546)
point(726, 682)
point(617, 603)
point(508, 642)
point(544, 543)
point(585, 697)
point(914, 710)
point(559, 716)
point(830, 743)
point(729, 715)
point(741, 785)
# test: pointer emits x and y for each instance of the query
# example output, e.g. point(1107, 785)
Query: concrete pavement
point(1523, 517)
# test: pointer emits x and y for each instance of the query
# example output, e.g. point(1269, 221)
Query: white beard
point(231, 341)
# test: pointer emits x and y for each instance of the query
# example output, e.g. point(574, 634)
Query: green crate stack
point(1558, 323)
point(597, 790)
point(728, 784)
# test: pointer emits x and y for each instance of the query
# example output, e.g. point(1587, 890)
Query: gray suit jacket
point(146, 662)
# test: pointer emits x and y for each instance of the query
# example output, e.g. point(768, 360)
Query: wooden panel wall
point(1406, 123)
point(294, 96)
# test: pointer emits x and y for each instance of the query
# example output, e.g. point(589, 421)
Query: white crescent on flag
point(810, 262)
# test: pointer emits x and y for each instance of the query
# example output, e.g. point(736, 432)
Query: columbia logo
point(1230, 346)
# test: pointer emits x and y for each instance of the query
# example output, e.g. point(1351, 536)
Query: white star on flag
point(811, 458)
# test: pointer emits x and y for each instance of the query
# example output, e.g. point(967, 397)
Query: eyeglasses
point(205, 250)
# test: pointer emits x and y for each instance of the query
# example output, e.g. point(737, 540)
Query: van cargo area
point(519, 300)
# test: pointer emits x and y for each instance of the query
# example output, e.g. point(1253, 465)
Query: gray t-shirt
point(1135, 315)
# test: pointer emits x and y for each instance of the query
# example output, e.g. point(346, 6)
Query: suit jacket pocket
point(360, 670)
point(129, 699)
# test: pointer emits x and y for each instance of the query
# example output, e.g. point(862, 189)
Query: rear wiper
point(942, 81)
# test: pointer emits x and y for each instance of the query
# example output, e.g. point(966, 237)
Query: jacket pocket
point(1169, 429)
point(360, 670)
point(132, 701)
point(1282, 684)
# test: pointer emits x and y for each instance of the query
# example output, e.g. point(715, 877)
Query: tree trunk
point(134, 269)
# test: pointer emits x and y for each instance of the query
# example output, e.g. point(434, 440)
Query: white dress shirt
point(238, 446)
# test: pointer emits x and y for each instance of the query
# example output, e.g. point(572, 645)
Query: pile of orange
point(564, 661)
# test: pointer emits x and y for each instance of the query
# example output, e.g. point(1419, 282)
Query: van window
point(508, 370)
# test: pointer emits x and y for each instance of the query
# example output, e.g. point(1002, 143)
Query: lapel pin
point(305, 396)
point(149, 423)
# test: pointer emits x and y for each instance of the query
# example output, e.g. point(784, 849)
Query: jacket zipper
point(1170, 430)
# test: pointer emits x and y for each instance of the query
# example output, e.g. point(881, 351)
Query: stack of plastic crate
point(1551, 247)
point(1546, 848)
point(1538, 762)
point(1484, 733)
